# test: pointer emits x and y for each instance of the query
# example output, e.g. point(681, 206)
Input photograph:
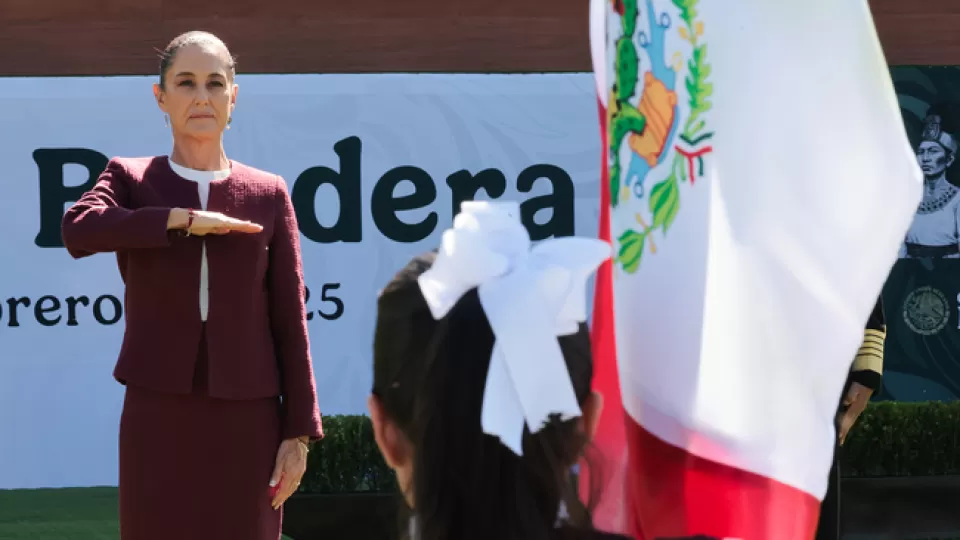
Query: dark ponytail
point(430, 377)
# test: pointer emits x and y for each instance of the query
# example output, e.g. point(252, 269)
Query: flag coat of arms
point(757, 184)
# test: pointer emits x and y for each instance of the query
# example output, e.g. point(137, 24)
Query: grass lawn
point(59, 514)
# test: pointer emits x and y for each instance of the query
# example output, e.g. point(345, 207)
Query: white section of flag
point(735, 337)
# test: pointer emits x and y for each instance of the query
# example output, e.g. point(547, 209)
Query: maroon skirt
point(193, 467)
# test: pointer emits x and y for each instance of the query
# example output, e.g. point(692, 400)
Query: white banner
point(374, 163)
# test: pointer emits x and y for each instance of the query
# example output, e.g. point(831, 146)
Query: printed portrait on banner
point(935, 232)
point(922, 294)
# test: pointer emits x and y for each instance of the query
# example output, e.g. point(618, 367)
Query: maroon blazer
point(256, 329)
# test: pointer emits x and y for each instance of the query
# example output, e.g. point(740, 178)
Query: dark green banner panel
point(922, 295)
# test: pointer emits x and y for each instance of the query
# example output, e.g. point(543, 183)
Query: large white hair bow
point(530, 297)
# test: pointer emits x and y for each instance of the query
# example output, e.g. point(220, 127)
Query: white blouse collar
point(195, 175)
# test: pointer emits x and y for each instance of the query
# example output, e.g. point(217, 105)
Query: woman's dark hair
point(430, 376)
point(195, 37)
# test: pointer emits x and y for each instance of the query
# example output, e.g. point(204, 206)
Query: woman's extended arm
point(289, 324)
point(102, 222)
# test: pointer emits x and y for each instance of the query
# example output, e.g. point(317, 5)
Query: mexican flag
point(757, 184)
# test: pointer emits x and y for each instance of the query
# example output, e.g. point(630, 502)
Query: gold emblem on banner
point(926, 311)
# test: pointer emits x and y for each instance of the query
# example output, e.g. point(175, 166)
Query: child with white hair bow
point(481, 398)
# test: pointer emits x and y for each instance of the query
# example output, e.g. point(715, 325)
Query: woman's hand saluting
point(201, 223)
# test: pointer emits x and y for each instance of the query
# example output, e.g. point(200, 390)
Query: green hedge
point(904, 439)
point(891, 439)
point(347, 460)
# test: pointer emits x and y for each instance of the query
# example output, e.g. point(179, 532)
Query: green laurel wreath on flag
point(624, 117)
point(664, 198)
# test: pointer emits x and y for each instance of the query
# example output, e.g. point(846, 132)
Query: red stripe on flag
point(664, 491)
point(608, 476)
point(675, 494)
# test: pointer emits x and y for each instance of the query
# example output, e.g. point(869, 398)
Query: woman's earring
point(229, 121)
point(166, 120)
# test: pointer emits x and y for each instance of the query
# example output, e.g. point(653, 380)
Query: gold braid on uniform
point(870, 355)
point(868, 365)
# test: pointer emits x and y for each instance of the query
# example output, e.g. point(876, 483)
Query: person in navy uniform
point(864, 380)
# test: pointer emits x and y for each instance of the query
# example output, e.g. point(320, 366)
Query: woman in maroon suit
point(220, 402)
